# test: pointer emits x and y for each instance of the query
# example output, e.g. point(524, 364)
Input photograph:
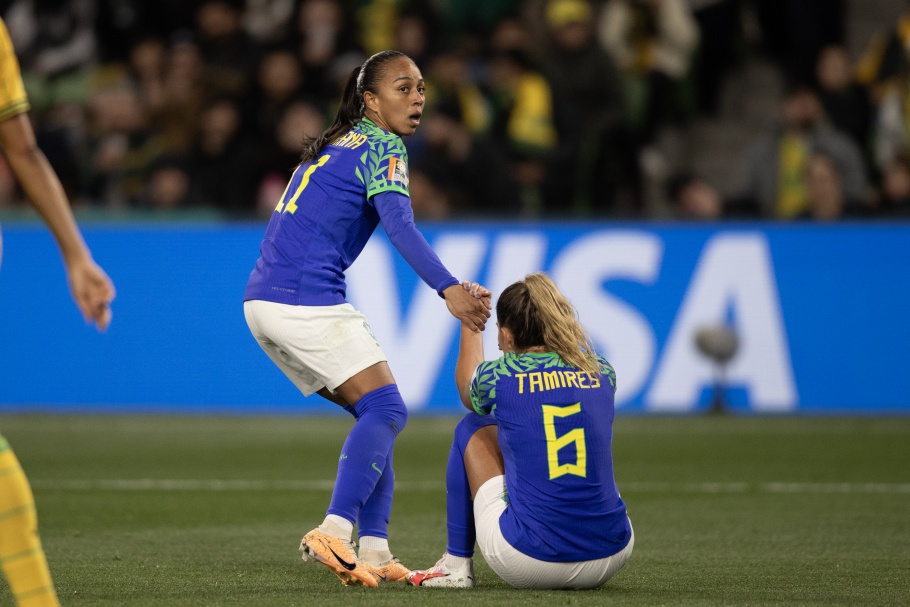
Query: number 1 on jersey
point(304, 182)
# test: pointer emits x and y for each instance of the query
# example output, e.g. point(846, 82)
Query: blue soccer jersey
point(555, 431)
point(329, 210)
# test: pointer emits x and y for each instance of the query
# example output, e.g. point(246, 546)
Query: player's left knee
point(387, 403)
point(468, 426)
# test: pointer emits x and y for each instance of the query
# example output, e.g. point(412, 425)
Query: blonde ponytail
point(538, 314)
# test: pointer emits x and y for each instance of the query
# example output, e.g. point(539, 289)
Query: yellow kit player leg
point(21, 554)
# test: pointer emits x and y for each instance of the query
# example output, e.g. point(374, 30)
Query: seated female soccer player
point(546, 511)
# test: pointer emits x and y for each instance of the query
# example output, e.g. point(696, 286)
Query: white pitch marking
point(170, 484)
point(174, 484)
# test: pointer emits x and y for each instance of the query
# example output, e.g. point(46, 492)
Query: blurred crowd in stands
point(535, 108)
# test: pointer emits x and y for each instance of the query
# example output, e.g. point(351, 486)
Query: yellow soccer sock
point(21, 555)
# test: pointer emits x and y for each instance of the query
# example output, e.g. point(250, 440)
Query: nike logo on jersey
point(376, 468)
point(344, 563)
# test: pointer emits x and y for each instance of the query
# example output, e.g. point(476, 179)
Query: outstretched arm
point(90, 286)
point(398, 219)
point(470, 349)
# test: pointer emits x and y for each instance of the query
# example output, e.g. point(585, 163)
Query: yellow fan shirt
point(13, 99)
point(793, 158)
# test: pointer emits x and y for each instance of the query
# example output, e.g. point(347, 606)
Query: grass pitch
point(174, 511)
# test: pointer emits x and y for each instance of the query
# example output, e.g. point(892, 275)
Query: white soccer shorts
point(522, 571)
point(315, 346)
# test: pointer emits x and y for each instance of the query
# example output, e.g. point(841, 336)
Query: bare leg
point(371, 378)
point(483, 458)
point(366, 381)
point(335, 398)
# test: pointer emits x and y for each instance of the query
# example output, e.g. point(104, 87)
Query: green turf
point(208, 511)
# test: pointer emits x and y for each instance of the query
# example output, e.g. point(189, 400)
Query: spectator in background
point(267, 21)
point(281, 153)
point(885, 59)
point(322, 38)
point(184, 95)
point(845, 101)
point(793, 33)
point(120, 23)
point(718, 52)
point(523, 124)
point(693, 198)
point(652, 42)
point(771, 176)
point(594, 145)
point(122, 146)
point(824, 189)
point(167, 187)
point(279, 80)
point(147, 61)
point(223, 166)
point(229, 55)
point(300, 120)
point(828, 199)
point(472, 174)
point(891, 131)
point(56, 45)
point(57, 49)
point(61, 136)
point(376, 21)
point(414, 36)
point(511, 34)
point(449, 84)
point(428, 201)
point(477, 18)
point(894, 201)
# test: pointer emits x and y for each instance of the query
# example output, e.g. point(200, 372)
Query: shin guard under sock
point(459, 506)
point(382, 414)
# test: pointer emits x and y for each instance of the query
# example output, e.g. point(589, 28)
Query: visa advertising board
point(820, 313)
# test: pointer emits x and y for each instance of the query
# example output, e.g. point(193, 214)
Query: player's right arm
point(470, 348)
point(385, 175)
point(470, 355)
point(397, 217)
point(40, 184)
point(90, 286)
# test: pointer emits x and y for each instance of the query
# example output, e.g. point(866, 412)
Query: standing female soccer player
point(21, 555)
point(546, 509)
point(350, 178)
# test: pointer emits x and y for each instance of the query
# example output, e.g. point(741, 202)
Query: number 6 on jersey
point(554, 443)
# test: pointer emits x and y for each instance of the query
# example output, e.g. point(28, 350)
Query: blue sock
point(459, 507)
point(375, 514)
point(381, 415)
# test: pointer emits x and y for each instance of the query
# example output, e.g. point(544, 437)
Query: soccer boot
point(441, 576)
point(390, 571)
point(338, 555)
